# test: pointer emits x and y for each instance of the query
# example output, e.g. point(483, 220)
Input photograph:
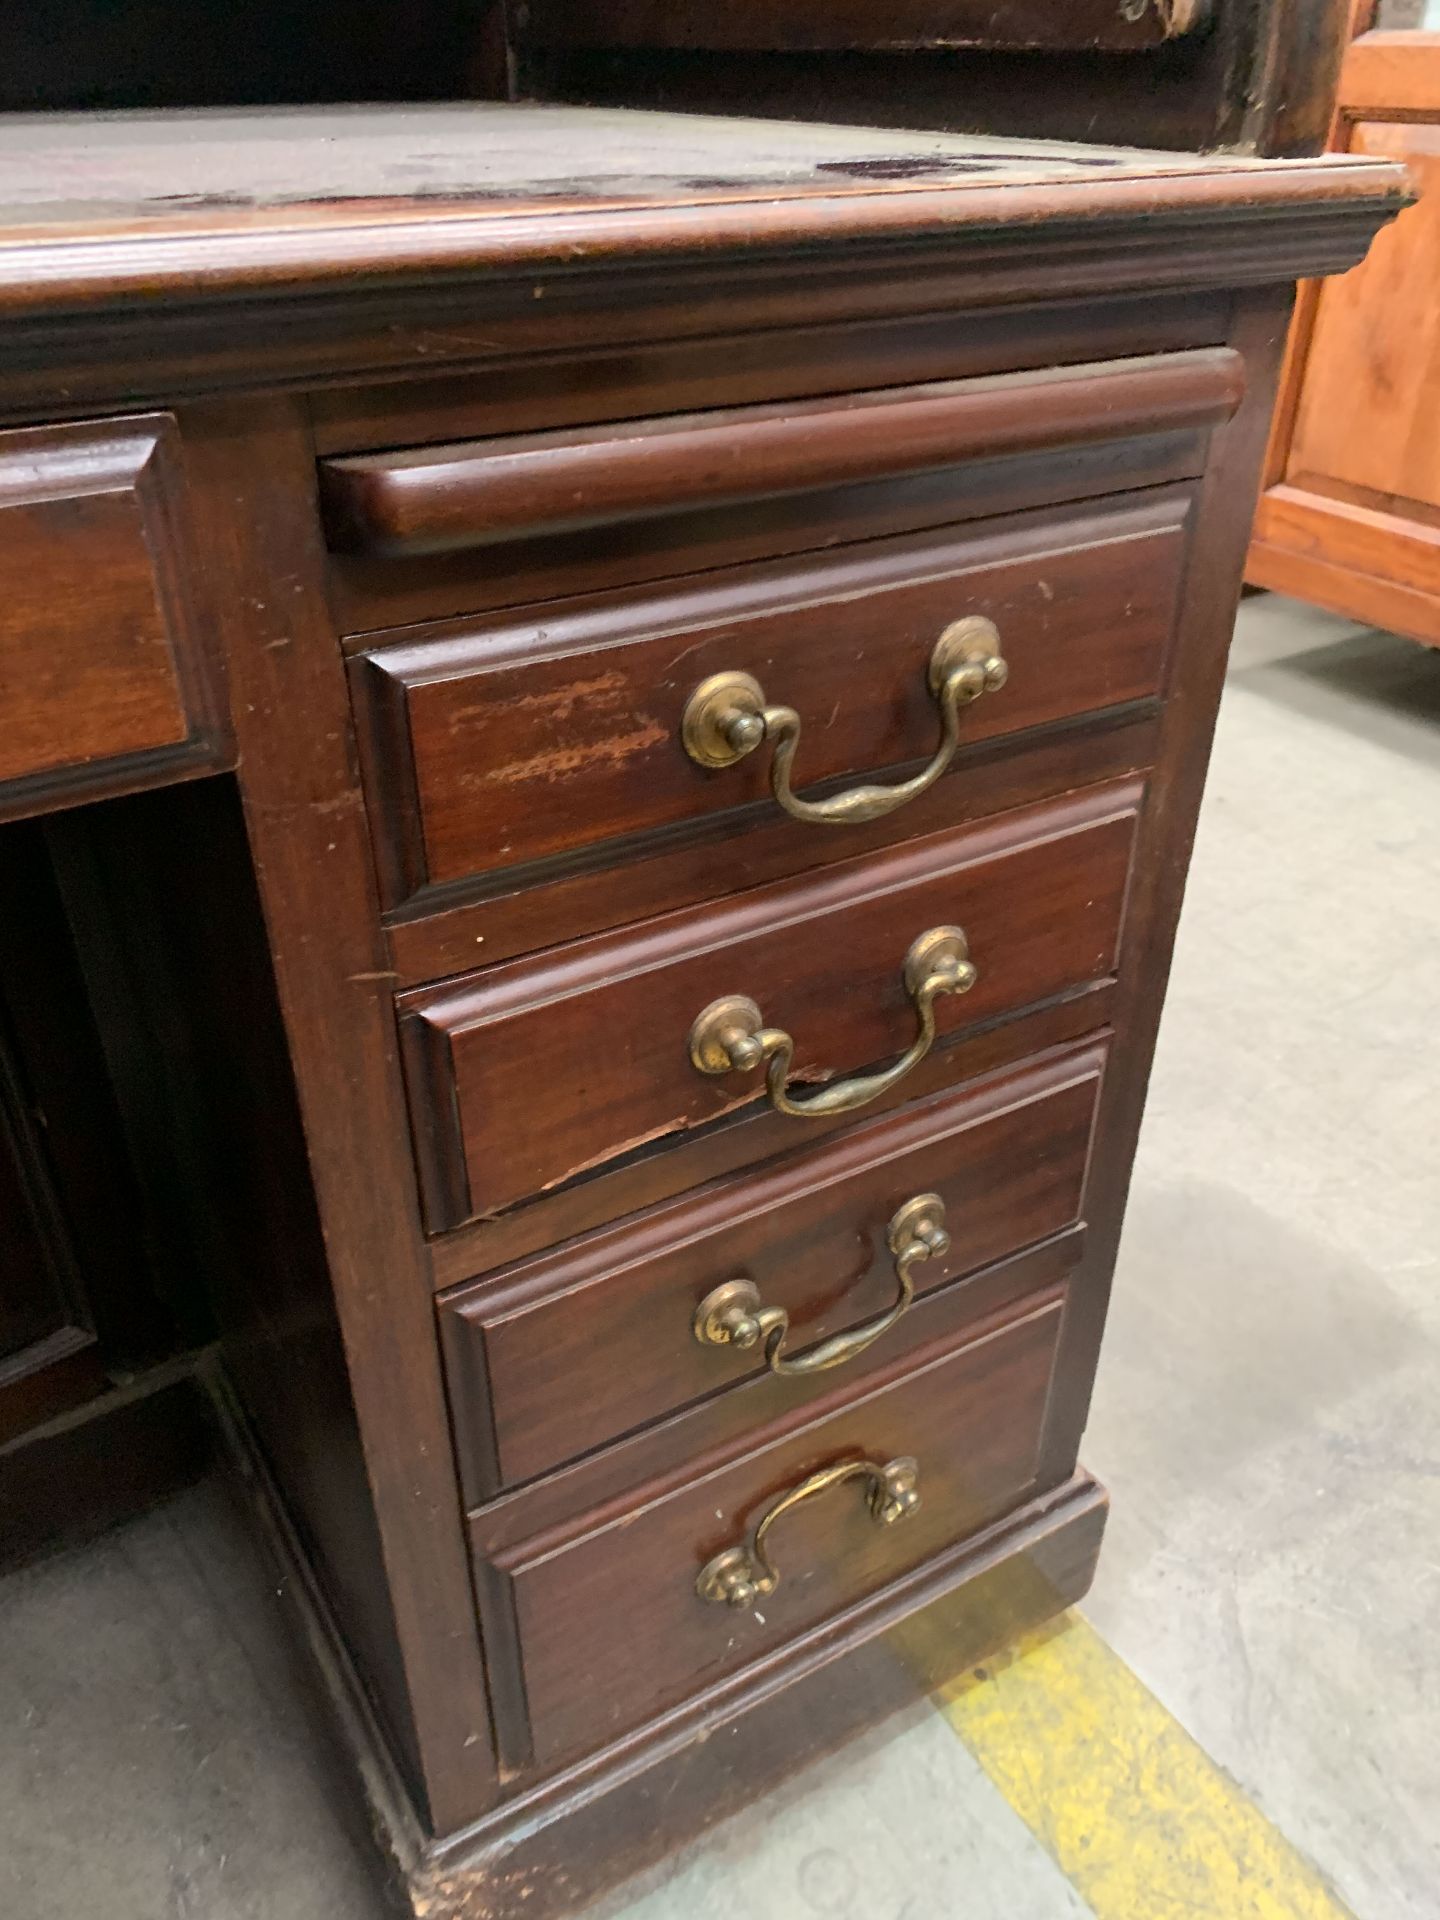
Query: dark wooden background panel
point(83, 1289)
point(66, 54)
point(1258, 74)
point(816, 25)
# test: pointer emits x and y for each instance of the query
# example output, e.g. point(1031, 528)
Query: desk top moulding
point(194, 219)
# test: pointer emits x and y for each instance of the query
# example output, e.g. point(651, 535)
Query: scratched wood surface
point(64, 166)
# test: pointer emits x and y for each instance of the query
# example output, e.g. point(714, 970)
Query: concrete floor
point(1268, 1419)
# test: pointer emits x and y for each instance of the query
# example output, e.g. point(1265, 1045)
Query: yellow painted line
point(1141, 1822)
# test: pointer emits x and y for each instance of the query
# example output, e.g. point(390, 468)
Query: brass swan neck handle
point(741, 1575)
point(727, 717)
point(733, 1315)
point(730, 1036)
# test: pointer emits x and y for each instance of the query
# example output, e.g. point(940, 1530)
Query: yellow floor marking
point(1140, 1821)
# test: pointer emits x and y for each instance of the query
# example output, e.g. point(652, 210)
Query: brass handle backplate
point(727, 717)
point(730, 1036)
point(741, 1575)
point(732, 1315)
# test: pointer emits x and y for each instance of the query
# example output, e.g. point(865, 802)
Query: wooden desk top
point(488, 157)
point(105, 207)
point(162, 254)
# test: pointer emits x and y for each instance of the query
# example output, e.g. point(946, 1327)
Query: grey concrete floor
point(1267, 1416)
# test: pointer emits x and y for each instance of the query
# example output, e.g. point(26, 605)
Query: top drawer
point(561, 738)
point(422, 533)
point(103, 666)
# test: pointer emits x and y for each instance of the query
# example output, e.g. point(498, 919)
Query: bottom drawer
point(611, 1627)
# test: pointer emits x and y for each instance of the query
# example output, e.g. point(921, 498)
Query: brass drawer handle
point(726, 718)
point(732, 1315)
point(730, 1036)
point(741, 1575)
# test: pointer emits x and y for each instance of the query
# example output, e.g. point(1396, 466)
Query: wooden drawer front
point(1007, 1160)
point(427, 532)
point(539, 1072)
point(556, 738)
point(609, 1626)
point(436, 499)
point(104, 679)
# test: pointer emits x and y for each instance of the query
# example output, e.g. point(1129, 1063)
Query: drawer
point(542, 1072)
point(420, 533)
point(607, 1626)
point(516, 749)
point(106, 668)
point(822, 1238)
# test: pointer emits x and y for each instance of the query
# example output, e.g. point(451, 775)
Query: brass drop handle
point(727, 717)
point(741, 1575)
point(732, 1315)
point(730, 1036)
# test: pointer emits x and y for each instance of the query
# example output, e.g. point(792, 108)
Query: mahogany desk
point(715, 630)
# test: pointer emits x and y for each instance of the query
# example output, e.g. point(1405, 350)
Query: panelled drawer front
point(557, 736)
point(614, 1314)
point(104, 674)
point(609, 1626)
point(537, 1072)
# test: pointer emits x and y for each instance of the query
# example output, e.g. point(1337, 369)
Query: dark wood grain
point(371, 595)
point(202, 53)
point(80, 1286)
point(845, 25)
point(1008, 1159)
point(570, 1837)
point(216, 253)
point(680, 1775)
point(467, 1252)
point(720, 1430)
point(513, 302)
point(1260, 76)
point(1290, 102)
point(809, 357)
point(435, 499)
point(49, 1359)
point(558, 733)
point(102, 1462)
point(598, 1033)
point(107, 680)
point(319, 300)
point(521, 202)
point(973, 1419)
point(451, 931)
point(330, 1363)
